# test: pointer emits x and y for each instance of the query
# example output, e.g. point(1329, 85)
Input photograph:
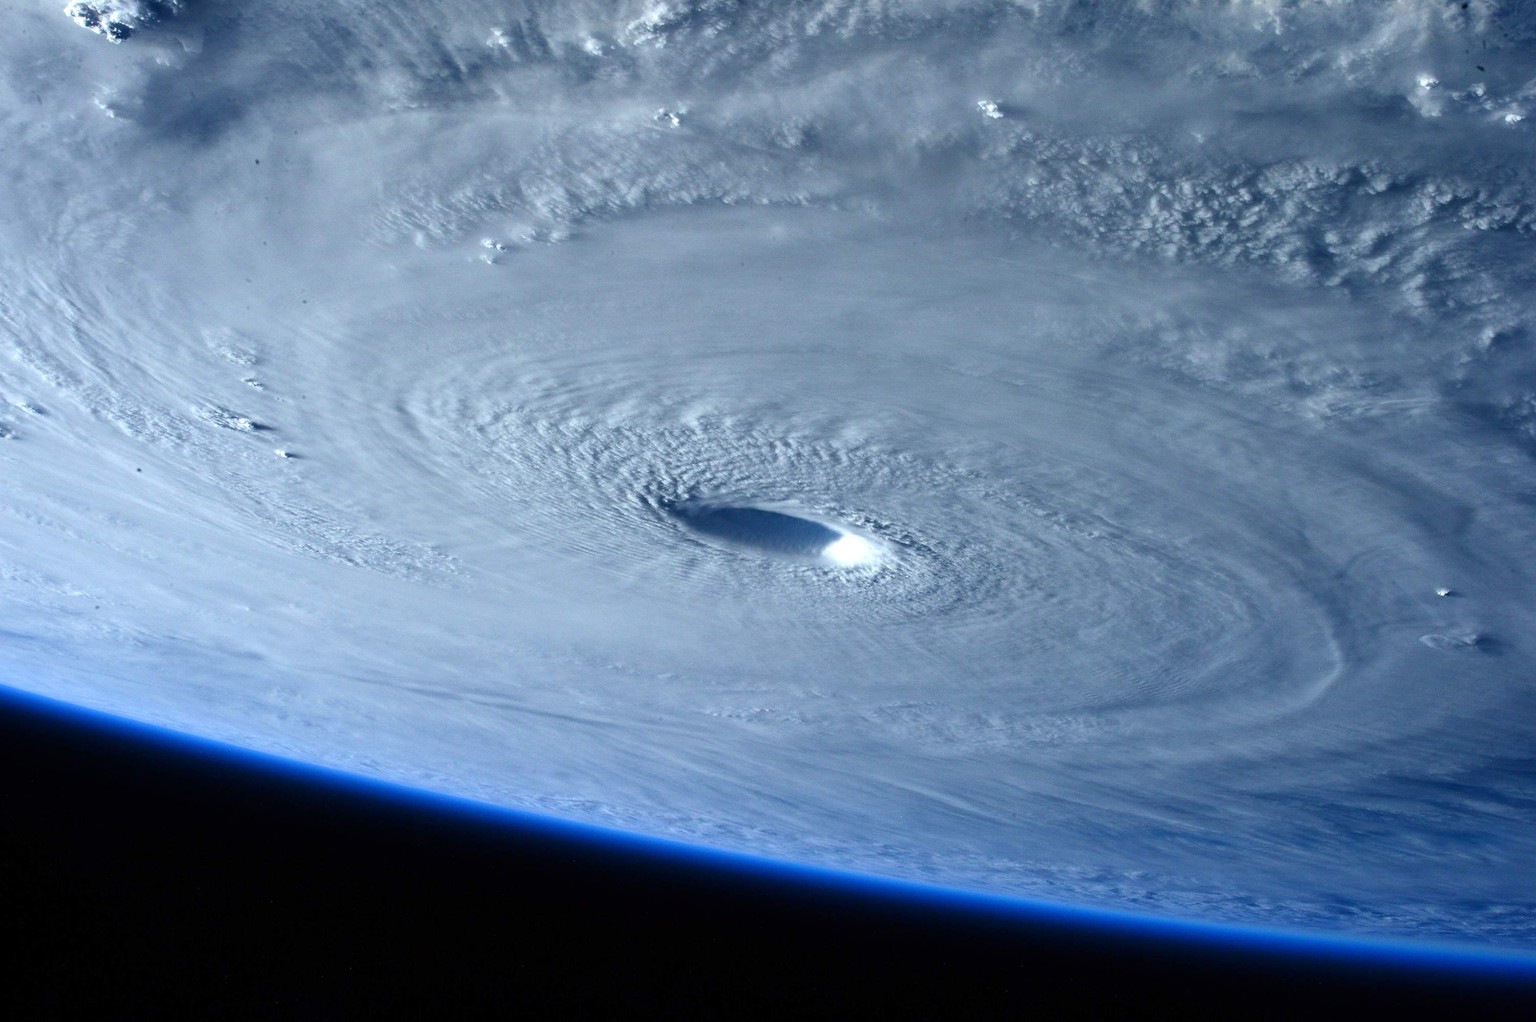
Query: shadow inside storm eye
point(772, 532)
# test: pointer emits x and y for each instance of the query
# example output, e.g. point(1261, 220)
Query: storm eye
point(778, 533)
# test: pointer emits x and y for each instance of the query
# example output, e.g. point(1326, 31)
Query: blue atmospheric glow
point(1296, 949)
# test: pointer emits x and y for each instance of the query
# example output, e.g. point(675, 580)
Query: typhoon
point(1082, 451)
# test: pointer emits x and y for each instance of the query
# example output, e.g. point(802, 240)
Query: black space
point(147, 879)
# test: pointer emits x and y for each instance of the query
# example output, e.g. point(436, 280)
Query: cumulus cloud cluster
point(119, 19)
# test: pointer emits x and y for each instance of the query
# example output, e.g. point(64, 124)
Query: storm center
point(780, 533)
